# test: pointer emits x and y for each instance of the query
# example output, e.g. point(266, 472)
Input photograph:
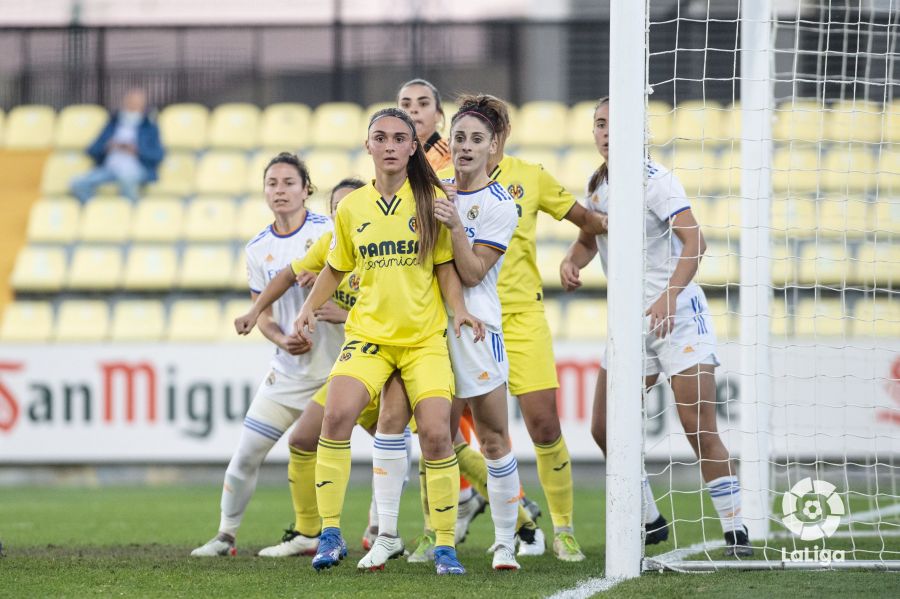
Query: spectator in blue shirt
point(127, 151)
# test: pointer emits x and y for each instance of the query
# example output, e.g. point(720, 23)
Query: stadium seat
point(2, 125)
point(802, 120)
point(550, 229)
point(878, 265)
point(793, 216)
point(888, 161)
point(843, 217)
point(731, 168)
point(784, 257)
point(797, 168)
point(222, 172)
point(580, 125)
point(158, 218)
point(82, 321)
point(29, 127)
point(183, 126)
point(887, 216)
point(698, 169)
point(820, 317)
point(285, 127)
point(719, 266)
point(362, 168)
point(105, 219)
point(194, 320)
point(210, 219)
point(542, 125)
point(138, 320)
point(724, 321)
point(54, 221)
point(824, 264)
point(660, 123)
point(234, 126)
point(238, 276)
point(39, 269)
point(231, 310)
point(78, 125)
point(206, 267)
point(877, 317)
point(95, 267)
point(576, 167)
point(719, 218)
point(256, 169)
point(586, 320)
point(592, 275)
point(549, 159)
point(779, 321)
point(849, 169)
point(253, 216)
point(60, 169)
point(732, 124)
point(177, 174)
point(337, 125)
point(553, 312)
point(858, 120)
point(699, 121)
point(150, 268)
point(549, 255)
point(27, 321)
point(891, 126)
point(327, 167)
point(371, 109)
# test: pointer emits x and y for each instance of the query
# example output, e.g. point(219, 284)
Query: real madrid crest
point(473, 213)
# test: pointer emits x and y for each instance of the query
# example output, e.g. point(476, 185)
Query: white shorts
point(691, 342)
point(288, 391)
point(478, 368)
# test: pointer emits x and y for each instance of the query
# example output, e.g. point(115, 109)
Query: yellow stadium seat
point(793, 216)
point(177, 174)
point(138, 320)
point(843, 217)
point(222, 172)
point(825, 264)
point(105, 219)
point(158, 218)
point(887, 216)
point(797, 169)
point(719, 266)
point(2, 124)
point(231, 310)
point(550, 229)
point(150, 267)
point(82, 321)
point(256, 169)
point(878, 265)
point(234, 126)
point(95, 267)
point(697, 121)
point(60, 169)
point(704, 210)
point(206, 267)
point(29, 127)
point(78, 125)
point(731, 168)
point(821, 317)
point(549, 159)
point(889, 171)
point(849, 169)
point(699, 170)
point(592, 275)
point(183, 126)
point(210, 219)
point(784, 264)
point(194, 320)
point(732, 124)
point(27, 321)
point(780, 324)
point(253, 216)
point(724, 321)
point(371, 109)
point(854, 121)
point(553, 312)
point(877, 317)
point(799, 120)
point(542, 125)
point(327, 167)
point(513, 113)
point(39, 269)
point(660, 122)
point(586, 319)
point(285, 127)
point(239, 272)
point(450, 110)
point(580, 124)
point(576, 168)
point(891, 127)
point(549, 257)
point(54, 221)
point(337, 125)
point(362, 168)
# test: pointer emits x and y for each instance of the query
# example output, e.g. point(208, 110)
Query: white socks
point(725, 492)
point(503, 495)
point(651, 512)
point(390, 466)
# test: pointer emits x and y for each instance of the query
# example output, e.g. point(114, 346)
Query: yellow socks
point(302, 482)
point(442, 480)
point(332, 476)
point(474, 468)
point(423, 496)
point(555, 471)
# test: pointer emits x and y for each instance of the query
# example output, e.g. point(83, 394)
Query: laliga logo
point(816, 525)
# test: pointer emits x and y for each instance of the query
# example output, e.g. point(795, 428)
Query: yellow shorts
point(425, 368)
point(529, 349)
point(369, 416)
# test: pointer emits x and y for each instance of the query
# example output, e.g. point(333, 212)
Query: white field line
point(586, 588)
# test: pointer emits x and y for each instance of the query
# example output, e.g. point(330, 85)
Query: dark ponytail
point(602, 173)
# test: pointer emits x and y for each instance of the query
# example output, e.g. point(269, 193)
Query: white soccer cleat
point(292, 543)
point(215, 547)
point(531, 542)
point(468, 510)
point(384, 549)
point(504, 558)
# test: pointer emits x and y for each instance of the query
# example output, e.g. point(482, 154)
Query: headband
point(460, 115)
point(412, 128)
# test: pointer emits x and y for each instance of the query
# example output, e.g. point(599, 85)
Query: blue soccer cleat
point(332, 549)
point(445, 561)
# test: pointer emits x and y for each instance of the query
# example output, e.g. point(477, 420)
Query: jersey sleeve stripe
point(679, 211)
point(255, 290)
point(490, 244)
point(328, 262)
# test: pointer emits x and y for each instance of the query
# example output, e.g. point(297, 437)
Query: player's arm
point(579, 255)
point(263, 301)
point(451, 290)
point(326, 284)
point(472, 261)
point(560, 204)
point(592, 223)
point(271, 330)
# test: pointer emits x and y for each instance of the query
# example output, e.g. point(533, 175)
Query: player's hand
point(244, 324)
point(450, 191)
point(331, 312)
point(662, 314)
point(305, 323)
point(306, 278)
point(294, 344)
point(569, 275)
point(597, 223)
point(445, 212)
point(459, 320)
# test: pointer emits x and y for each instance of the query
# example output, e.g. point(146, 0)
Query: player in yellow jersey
point(387, 231)
point(422, 101)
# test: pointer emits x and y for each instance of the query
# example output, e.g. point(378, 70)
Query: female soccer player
point(481, 223)
point(300, 364)
point(679, 339)
point(388, 232)
point(422, 100)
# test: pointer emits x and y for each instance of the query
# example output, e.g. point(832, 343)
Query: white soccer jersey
point(267, 254)
point(665, 199)
point(490, 218)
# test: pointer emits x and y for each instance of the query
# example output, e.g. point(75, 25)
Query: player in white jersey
point(679, 339)
point(298, 368)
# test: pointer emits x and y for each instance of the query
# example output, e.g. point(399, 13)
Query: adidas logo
point(379, 471)
point(269, 258)
point(484, 376)
point(688, 349)
point(513, 500)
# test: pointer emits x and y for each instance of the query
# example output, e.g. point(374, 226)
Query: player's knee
point(495, 445)
point(545, 429)
point(434, 442)
point(337, 424)
point(303, 441)
point(711, 445)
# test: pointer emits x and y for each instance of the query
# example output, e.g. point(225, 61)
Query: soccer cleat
point(531, 541)
point(445, 561)
point(737, 543)
point(566, 547)
point(369, 537)
point(292, 543)
point(424, 550)
point(221, 544)
point(384, 549)
point(332, 549)
point(657, 531)
point(468, 511)
point(504, 558)
point(533, 509)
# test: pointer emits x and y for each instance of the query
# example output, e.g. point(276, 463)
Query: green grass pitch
point(134, 542)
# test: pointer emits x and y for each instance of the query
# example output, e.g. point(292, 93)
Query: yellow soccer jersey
point(314, 261)
point(399, 302)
